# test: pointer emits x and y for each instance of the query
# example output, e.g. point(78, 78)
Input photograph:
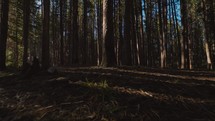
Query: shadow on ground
point(105, 95)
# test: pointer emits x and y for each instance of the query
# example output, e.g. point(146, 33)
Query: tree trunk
point(178, 49)
point(54, 33)
point(45, 35)
point(206, 37)
point(108, 53)
point(70, 35)
point(127, 58)
point(3, 34)
point(16, 47)
point(61, 34)
point(99, 41)
point(26, 18)
point(75, 52)
point(85, 33)
point(162, 36)
point(141, 34)
point(120, 29)
point(184, 38)
point(148, 12)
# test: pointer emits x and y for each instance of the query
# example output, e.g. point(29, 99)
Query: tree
point(162, 34)
point(45, 34)
point(108, 54)
point(184, 38)
point(99, 36)
point(148, 9)
point(85, 32)
point(110, 32)
point(126, 59)
point(26, 18)
point(206, 36)
point(61, 33)
point(3, 34)
point(75, 40)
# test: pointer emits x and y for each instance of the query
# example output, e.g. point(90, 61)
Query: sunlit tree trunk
point(175, 19)
point(134, 29)
point(108, 53)
point(206, 37)
point(211, 17)
point(162, 36)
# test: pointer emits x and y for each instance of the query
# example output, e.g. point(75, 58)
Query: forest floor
point(108, 94)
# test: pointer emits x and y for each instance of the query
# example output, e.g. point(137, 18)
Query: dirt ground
point(108, 94)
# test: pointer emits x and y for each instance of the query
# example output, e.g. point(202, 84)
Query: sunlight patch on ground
point(100, 85)
point(133, 91)
point(141, 92)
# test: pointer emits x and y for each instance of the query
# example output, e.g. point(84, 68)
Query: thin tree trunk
point(16, 48)
point(121, 39)
point(54, 43)
point(142, 39)
point(85, 31)
point(70, 37)
point(61, 34)
point(99, 41)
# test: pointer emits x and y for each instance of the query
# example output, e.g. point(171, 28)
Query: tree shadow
point(78, 96)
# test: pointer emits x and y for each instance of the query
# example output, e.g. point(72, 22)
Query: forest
point(107, 60)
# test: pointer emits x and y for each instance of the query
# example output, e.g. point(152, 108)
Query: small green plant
point(101, 85)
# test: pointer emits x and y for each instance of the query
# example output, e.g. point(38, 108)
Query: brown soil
point(109, 94)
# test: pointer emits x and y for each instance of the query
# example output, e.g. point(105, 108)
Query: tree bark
point(108, 53)
point(127, 58)
point(3, 34)
point(206, 37)
point(61, 34)
point(75, 52)
point(162, 35)
point(184, 37)
point(85, 33)
point(45, 35)
point(26, 18)
point(99, 41)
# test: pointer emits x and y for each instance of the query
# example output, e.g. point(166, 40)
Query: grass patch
point(3, 74)
point(104, 97)
point(100, 85)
